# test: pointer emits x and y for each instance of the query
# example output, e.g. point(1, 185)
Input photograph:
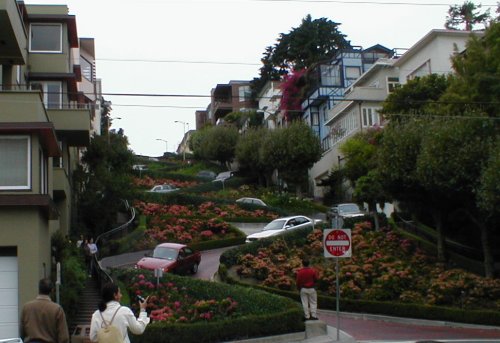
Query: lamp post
point(183, 138)
point(166, 143)
point(108, 122)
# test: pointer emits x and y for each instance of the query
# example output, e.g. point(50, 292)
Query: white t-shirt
point(124, 319)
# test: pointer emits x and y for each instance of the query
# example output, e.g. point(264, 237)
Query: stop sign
point(337, 243)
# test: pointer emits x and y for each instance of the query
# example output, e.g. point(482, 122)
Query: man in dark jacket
point(306, 281)
point(43, 321)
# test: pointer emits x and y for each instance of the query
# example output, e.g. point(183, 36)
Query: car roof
point(171, 245)
point(291, 217)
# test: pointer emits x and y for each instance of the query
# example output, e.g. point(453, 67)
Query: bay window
point(15, 159)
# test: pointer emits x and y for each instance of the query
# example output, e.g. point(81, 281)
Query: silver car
point(282, 225)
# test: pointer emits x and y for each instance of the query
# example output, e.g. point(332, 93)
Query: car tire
point(194, 268)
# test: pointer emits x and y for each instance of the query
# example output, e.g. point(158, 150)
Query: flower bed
point(172, 303)
point(148, 182)
point(384, 267)
point(205, 210)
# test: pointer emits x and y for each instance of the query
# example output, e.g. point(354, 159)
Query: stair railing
point(99, 273)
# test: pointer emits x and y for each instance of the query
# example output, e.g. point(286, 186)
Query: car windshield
point(165, 253)
point(348, 208)
point(275, 225)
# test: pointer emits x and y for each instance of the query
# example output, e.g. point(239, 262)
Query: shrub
point(241, 312)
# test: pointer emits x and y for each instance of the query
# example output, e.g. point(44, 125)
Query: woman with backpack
point(111, 322)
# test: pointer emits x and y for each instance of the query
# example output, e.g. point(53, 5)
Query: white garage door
point(9, 322)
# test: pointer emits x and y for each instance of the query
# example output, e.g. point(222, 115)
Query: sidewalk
point(316, 332)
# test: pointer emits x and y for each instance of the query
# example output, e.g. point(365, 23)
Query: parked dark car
point(347, 210)
point(206, 174)
point(252, 201)
point(172, 258)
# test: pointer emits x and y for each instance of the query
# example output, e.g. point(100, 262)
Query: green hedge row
point(398, 309)
point(259, 314)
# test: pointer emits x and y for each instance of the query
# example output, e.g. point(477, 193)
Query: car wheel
point(194, 268)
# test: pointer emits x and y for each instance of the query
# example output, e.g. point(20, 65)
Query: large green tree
point(312, 41)
point(104, 182)
point(442, 156)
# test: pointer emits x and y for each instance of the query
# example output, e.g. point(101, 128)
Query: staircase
point(80, 327)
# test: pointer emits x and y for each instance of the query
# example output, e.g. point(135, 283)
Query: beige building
point(363, 99)
point(48, 109)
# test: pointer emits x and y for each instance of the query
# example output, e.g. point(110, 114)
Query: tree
point(249, 154)
point(475, 88)
point(466, 14)
point(313, 41)
point(360, 168)
point(104, 182)
point(292, 151)
point(417, 97)
point(216, 143)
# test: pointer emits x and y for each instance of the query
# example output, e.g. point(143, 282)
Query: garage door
point(9, 295)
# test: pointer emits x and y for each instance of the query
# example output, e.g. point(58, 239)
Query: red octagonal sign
point(337, 243)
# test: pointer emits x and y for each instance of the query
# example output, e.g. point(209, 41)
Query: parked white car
point(163, 189)
point(282, 225)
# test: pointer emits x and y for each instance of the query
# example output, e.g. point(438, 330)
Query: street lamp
point(108, 122)
point(183, 138)
point(166, 143)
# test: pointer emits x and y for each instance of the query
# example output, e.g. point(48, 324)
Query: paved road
point(369, 328)
point(361, 327)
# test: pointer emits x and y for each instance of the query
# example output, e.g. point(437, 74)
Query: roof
point(431, 36)
point(171, 245)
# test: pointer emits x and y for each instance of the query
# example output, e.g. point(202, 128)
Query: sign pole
point(337, 244)
point(337, 290)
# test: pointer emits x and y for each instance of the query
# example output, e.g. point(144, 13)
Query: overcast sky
point(164, 42)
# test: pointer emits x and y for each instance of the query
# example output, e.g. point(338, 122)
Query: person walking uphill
point(110, 312)
point(43, 321)
point(306, 281)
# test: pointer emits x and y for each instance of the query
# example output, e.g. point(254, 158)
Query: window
point(330, 75)
point(15, 161)
point(57, 162)
point(19, 75)
point(423, 70)
point(44, 175)
point(392, 84)
point(244, 93)
point(87, 69)
point(46, 38)
point(352, 73)
point(51, 91)
point(370, 117)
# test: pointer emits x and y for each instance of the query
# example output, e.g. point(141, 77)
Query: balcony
point(72, 125)
point(13, 37)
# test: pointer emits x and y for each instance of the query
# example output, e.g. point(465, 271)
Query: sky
point(179, 50)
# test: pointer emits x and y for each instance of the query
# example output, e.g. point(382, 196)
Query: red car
point(172, 258)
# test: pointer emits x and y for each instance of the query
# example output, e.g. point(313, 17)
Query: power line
point(176, 61)
point(406, 3)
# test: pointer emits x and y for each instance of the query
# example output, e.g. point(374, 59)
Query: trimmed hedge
point(259, 314)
